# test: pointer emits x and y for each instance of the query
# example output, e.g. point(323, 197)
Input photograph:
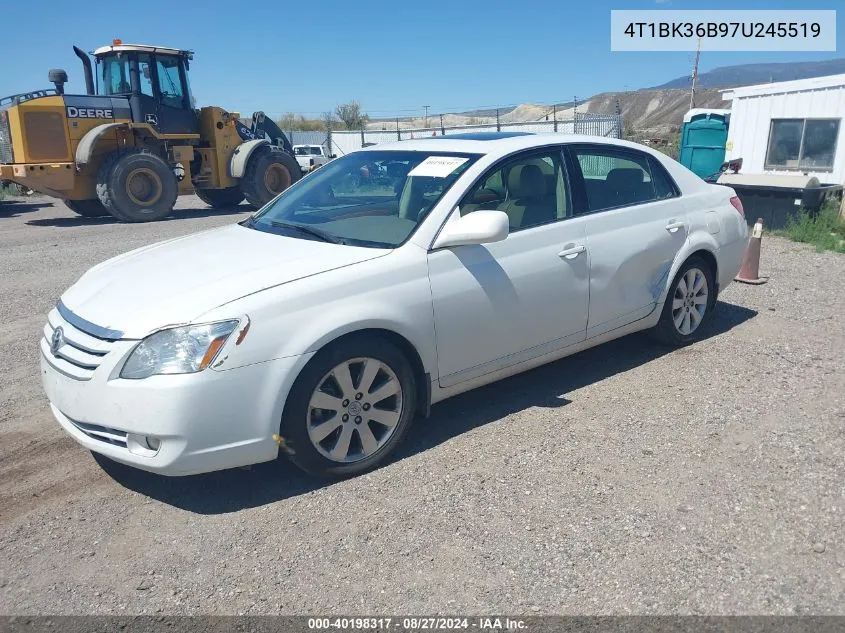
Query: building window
point(802, 144)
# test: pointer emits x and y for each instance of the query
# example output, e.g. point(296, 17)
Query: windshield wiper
point(321, 235)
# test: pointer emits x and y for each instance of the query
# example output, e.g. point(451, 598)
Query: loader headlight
point(178, 350)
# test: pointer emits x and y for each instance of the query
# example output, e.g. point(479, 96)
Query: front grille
point(7, 156)
point(105, 434)
point(79, 348)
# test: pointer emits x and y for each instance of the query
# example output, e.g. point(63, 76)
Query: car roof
point(496, 143)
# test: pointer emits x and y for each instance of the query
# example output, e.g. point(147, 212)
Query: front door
point(498, 304)
point(147, 99)
point(175, 112)
point(635, 227)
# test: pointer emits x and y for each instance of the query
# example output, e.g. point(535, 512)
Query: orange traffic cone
point(749, 272)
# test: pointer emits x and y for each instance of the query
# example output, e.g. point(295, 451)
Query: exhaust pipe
point(86, 65)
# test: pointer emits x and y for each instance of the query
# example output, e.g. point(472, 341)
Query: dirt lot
point(627, 479)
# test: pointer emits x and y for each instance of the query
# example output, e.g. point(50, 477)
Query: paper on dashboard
point(438, 166)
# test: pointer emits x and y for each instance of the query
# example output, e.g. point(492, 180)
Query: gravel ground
point(625, 479)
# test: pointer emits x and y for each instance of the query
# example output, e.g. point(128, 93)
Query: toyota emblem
point(57, 340)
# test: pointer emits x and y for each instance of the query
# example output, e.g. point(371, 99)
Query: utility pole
point(575, 108)
point(426, 115)
point(695, 75)
point(442, 129)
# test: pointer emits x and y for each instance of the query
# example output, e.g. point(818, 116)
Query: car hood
point(181, 279)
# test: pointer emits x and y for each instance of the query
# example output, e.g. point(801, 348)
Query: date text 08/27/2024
point(417, 623)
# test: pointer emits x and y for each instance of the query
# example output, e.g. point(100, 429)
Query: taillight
point(738, 205)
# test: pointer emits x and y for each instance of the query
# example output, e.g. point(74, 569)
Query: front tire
point(136, 186)
point(221, 198)
point(689, 304)
point(87, 208)
point(350, 407)
point(268, 173)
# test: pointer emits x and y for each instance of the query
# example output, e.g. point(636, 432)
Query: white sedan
point(392, 278)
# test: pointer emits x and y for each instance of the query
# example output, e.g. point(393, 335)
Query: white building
point(790, 128)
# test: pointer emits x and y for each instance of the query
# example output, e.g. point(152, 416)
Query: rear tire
point(317, 437)
point(268, 173)
point(87, 208)
point(689, 304)
point(221, 198)
point(136, 186)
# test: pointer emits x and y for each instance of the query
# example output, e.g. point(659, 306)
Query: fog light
point(153, 443)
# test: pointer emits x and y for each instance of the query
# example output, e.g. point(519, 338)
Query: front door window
point(115, 75)
point(170, 82)
point(145, 70)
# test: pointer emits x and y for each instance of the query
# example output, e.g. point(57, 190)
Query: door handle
point(572, 252)
point(674, 226)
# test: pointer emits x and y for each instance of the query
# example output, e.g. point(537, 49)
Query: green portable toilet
point(704, 134)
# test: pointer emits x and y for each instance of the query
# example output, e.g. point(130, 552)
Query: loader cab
point(154, 80)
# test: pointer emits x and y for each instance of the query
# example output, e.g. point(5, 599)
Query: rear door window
point(614, 177)
point(664, 186)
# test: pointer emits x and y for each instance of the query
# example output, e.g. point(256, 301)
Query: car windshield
point(369, 198)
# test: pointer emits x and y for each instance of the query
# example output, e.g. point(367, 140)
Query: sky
point(393, 57)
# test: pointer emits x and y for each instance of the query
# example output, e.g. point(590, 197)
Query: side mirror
point(478, 227)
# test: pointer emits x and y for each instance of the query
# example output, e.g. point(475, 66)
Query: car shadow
point(177, 215)
point(15, 207)
point(547, 386)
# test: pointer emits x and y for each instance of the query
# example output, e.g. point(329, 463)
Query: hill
point(750, 74)
point(649, 111)
point(653, 111)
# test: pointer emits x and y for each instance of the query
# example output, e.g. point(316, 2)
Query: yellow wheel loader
point(135, 142)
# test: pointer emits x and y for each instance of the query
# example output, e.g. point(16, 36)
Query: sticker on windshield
point(438, 166)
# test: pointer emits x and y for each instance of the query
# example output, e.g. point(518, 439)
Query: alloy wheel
point(354, 410)
point(689, 302)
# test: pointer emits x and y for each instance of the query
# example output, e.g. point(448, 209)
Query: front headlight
point(179, 350)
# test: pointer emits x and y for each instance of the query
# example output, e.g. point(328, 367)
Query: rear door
point(635, 227)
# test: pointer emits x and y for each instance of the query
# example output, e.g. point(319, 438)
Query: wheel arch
point(408, 349)
point(241, 156)
point(704, 247)
point(87, 144)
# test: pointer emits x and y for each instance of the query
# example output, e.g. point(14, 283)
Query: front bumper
point(210, 420)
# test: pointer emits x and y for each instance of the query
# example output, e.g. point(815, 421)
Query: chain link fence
point(341, 142)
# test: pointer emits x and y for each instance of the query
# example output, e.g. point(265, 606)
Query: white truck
point(310, 157)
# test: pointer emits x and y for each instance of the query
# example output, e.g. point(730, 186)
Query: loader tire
point(135, 185)
point(269, 172)
point(87, 208)
point(221, 198)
